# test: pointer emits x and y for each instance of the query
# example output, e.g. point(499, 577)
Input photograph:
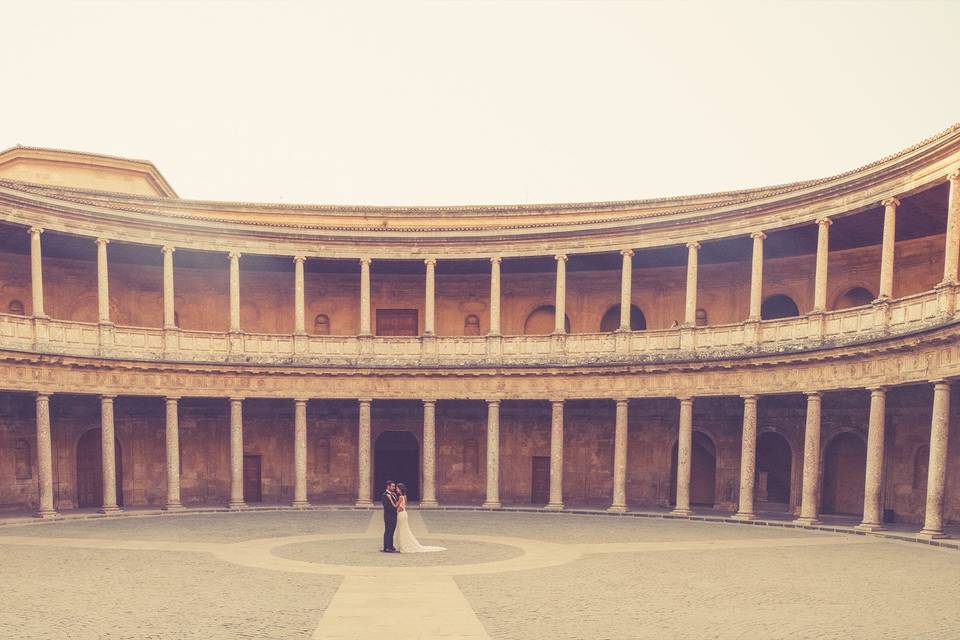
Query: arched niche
point(611, 319)
point(541, 321)
point(90, 470)
point(774, 468)
point(778, 306)
point(396, 456)
point(844, 471)
point(703, 471)
point(854, 297)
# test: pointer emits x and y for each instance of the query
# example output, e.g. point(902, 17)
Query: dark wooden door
point(397, 322)
point(251, 479)
point(540, 485)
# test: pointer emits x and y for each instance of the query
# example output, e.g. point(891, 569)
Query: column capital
point(824, 222)
point(693, 245)
point(954, 176)
point(430, 262)
point(301, 400)
point(685, 399)
point(557, 401)
point(493, 402)
point(103, 241)
point(172, 398)
point(237, 399)
point(626, 253)
point(940, 382)
point(622, 400)
point(365, 400)
point(299, 259)
point(813, 394)
point(878, 390)
point(107, 397)
point(561, 257)
point(891, 202)
point(35, 230)
point(366, 260)
point(758, 235)
point(427, 401)
point(750, 396)
point(45, 395)
point(496, 259)
point(167, 248)
point(234, 255)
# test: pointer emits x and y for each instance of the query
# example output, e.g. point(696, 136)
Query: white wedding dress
point(403, 539)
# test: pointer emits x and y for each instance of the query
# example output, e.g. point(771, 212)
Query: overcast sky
point(472, 103)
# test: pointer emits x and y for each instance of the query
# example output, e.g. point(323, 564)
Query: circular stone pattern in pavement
point(360, 552)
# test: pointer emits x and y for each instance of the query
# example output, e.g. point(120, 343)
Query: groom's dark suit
point(389, 520)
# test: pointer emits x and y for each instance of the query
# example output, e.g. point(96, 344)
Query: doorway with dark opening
point(397, 457)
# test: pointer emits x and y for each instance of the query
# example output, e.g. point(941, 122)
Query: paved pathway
point(423, 596)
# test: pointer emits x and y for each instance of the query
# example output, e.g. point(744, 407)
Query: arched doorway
point(844, 468)
point(778, 306)
point(774, 466)
point(855, 297)
point(611, 319)
point(396, 456)
point(540, 322)
point(703, 472)
point(90, 471)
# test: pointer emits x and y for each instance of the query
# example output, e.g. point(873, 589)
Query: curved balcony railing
point(798, 334)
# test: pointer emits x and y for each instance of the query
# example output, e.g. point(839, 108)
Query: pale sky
point(474, 103)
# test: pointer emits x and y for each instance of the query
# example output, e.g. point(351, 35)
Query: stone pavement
point(505, 575)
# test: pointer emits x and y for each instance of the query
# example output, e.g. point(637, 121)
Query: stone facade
point(778, 350)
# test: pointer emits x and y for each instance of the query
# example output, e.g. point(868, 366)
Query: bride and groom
point(397, 537)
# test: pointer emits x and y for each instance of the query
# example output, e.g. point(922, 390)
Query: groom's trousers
point(389, 526)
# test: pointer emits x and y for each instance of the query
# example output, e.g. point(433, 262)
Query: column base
point(554, 506)
point(174, 506)
point(237, 506)
point(429, 504)
point(491, 505)
point(805, 520)
point(681, 512)
point(869, 526)
point(109, 510)
point(929, 534)
point(745, 517)
point(300, 504)
point(47, 514)
point(363, 503)
point(617, 508)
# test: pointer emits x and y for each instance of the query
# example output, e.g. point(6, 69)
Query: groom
point(389, 501)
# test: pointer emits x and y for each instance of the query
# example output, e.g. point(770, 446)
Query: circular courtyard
point(320, 574)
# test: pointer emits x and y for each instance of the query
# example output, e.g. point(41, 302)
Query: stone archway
point(844, 469)
point(90, 470)
point(703, 472)
point(396, 456)
point(774, 472)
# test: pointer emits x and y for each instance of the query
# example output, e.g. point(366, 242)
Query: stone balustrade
point(798, 334)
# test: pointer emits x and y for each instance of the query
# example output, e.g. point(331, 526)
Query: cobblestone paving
point(207, 527)
point(362, 553)
point(588, 577)
point(58, 594)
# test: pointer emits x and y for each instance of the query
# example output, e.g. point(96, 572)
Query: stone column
point(888, 248)
point(560, 314)
point(820, 277)
point(690, 312)
point(236, 454)
point(748, 458)
point(169, 314)
point(937, 468)
point(44, 458)
point(626, 283)
point(108, 456)
point(36, 272)
point(173, 455)
point(872, 506)
point(809, 507)
point(756, 275)
point(684, 451)
point(365, 298)
point(619, 502)
point(363, 455)
point(300, 453)
point(493, 455)
point(556, 456)
point(429, 315)
point(429, 498)
point(952, 247)
point(298, 295)
point(495, 295)
point(103, 282)
point(234, 291)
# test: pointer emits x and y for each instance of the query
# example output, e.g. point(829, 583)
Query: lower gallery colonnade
point(811, 484)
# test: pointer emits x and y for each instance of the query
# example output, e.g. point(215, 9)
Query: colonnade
point(809, 505)
point(885, 285)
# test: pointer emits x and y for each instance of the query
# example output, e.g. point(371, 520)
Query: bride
point(403, 538)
